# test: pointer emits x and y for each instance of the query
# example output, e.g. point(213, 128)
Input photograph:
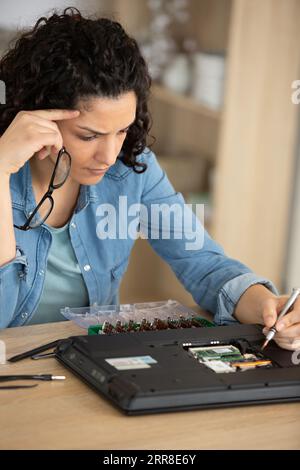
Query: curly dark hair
point(68, 57)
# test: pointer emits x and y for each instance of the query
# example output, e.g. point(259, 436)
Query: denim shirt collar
point(87, 194)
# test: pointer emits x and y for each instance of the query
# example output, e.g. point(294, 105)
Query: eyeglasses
point(44, 208)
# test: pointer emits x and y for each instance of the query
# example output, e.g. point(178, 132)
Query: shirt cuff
point(230, 294)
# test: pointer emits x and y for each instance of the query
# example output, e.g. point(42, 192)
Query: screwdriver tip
point(265, 344)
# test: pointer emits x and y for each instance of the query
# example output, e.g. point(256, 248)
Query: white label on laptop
point(133, 362)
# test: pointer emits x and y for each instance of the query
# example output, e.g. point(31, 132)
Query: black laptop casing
point(176, 380)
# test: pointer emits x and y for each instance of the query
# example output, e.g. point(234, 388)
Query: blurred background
point(226, 128)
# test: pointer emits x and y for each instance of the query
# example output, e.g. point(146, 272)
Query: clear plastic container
point(97, 314)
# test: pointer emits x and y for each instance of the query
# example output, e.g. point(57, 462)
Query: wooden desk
point(70, 415)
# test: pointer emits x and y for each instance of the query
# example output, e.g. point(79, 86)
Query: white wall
point(23, 13)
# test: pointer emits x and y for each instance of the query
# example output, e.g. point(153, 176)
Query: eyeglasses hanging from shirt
point(45, 206)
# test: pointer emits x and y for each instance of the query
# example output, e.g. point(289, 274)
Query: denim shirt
point(215, 281)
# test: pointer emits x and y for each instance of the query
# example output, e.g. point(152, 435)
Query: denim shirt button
point(73, 225)
point(87, 267)
point(24, 315)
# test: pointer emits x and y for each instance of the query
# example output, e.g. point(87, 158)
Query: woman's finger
point(290, 332)
point(289, 319)
point(286, 339)
point(54, 114)
point(41, 121)
point(292, 344)
point(43, 153)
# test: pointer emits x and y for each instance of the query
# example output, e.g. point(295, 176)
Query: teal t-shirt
point(64, 285)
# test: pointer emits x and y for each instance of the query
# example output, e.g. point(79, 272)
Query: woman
point(78, 88)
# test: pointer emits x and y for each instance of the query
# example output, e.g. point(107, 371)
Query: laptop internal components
point(228, 358)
